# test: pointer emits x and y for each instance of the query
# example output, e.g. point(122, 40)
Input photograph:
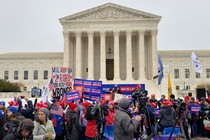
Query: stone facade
point(112, 43)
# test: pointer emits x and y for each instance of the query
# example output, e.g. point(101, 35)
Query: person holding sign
point(114, 90)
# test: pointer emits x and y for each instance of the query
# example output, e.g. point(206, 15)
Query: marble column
point(129, 55)
point(116, 56)
point(154, 53)
point(78, 55)
point(102, 56)
point(90, 55)
point(66, 51)
point(141, 53)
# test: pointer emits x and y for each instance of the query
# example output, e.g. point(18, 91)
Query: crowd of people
point(84, 120)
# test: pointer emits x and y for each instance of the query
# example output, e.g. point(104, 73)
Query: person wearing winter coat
point(124, 126)
point(167, 115)
point(43, 127)
point(22, 132)
point(73, 116)
point(14, 118)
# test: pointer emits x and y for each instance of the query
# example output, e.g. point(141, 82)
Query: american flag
point(51, 85)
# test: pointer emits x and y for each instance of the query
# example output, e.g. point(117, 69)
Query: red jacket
point(91, 129)
point(110, 117)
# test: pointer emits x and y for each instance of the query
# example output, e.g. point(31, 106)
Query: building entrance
point(110, 69)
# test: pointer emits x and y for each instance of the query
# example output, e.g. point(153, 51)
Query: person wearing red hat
point(153, 101)
point(111, 114)
point(186, 100)
point(82, 121)
point(166, 115)
point(74, 128)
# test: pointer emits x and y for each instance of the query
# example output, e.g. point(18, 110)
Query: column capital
point(141, 31)
point(129, 31)
point(78, 32)
point(154, 31)
point(66, 33)
point(90, 32)
point(116, 32)
point(102, 33)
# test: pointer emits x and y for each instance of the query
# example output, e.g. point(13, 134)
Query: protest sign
point(72, 96)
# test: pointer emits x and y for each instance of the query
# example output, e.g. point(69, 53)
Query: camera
point(22, 97)
point(98, 112)
point(140, 96)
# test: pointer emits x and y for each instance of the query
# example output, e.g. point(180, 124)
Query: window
point(176, 73)
point(177, 88)
point(6, 75)
point(207, 73)
point(25, 75)
point(187, 73)
point(188, 87)
point(15, 75)
point(197, 75)
point(25, 89)
point(45, 74)
point(35, 74)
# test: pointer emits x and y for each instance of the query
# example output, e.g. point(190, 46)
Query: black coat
point(15, 135)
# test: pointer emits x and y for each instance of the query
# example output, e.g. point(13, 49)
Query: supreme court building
point(112, 43)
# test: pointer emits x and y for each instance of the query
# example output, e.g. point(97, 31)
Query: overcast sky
point(33, 25)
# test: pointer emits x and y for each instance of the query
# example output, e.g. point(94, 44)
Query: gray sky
point(33, 25)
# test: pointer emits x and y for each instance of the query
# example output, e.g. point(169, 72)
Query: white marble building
point(112, 43)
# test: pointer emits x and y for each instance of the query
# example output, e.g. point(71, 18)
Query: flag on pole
point(160, 70)
point(196, 63)
point(169, 87)
point(51, 85)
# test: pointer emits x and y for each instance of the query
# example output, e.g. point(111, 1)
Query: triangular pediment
point(110, 11)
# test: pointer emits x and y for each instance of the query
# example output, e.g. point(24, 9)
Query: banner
point(124, 88)
point(62, 77)
point(45, 94)
point(72, 96)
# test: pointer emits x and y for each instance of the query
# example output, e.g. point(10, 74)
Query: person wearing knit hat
point(111, 113)
point(43, 127)
point(73, 115)
point(124, 103)
point(124, 126)
point(72, 106)
point(13, 109)
point(22, 132)
point(2, 103)
point(166, 115)
point(45, 111)
point(86, 104)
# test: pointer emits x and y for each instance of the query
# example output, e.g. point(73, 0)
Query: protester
point(124, 126)
point(166, 116)
point(82, 121)
point(22, 132)
point(27, 111)
point(57, 116)
point(163, 96)
point(14, 118)
point(91, 127)
point(43, 127)
point(73, 115)
point(2, 123)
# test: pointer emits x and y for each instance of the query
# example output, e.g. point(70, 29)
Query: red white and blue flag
point(51, 85)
